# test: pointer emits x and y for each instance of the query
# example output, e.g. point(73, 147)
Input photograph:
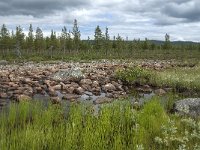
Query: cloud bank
point(133, 18)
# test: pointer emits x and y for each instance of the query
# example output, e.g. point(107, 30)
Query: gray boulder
point(64, 74)
point(189, 106)
point(3, 62)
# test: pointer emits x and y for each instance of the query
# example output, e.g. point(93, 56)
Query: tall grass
point(116, 126)
point(178, 78)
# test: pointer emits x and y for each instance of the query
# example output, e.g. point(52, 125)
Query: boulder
point(3, 95)
point(57, 87)
point(144, 89)
point(64, 74)
point(70, 90)
point(70, 96)
point(3, 62)
point(79, 90)
point(86, 81)
point(52, 92)
point(55, 100)
point(95, 84)
point(22, 97)
point(102, 100)
point(189, 106)
point(160, 92)
point(109, 87)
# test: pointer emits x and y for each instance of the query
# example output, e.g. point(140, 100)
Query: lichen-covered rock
point(64, 74)
point(189, 106)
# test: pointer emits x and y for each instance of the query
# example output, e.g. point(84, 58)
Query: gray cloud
point(38, 8)
point(190, 10)
point(145, 18)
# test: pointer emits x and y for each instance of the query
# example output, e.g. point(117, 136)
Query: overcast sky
point(132, 18)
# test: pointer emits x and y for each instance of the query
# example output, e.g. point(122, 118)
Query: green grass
point(178, 78)
point(185, 77)
point(117, 126)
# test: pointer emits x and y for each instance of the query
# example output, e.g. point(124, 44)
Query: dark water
point(86, 98)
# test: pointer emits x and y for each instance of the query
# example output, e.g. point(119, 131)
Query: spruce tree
point(39, 40)
point(98, 37)
point(4, 37)
point(76, 35)
point(30, 38)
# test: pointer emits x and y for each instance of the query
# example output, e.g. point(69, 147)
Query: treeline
point(35, 44)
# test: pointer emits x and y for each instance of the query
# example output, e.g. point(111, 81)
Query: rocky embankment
point(23, 81)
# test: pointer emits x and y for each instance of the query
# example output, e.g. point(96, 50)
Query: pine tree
point(119, 44)
point(107, 41)
point(30, 38)
point(19, 36)
point(76, 35)
point(98, 37)
point(53, 40)
point(167, 42)
point(4, 37)
point(63, 39)
point(39, 40)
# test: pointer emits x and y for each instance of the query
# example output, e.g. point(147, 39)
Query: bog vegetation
point(115, 126)
point(69, 46)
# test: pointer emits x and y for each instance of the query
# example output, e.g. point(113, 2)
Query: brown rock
point(79, 90)
point(96, 91)
point(109, 95)
point(70, 90)
point(17, 92)
point(102, 100)
point(144, 89)
point(74, 85)
point(3, 95)
point(117, 86)
point(95, 84)
point(160, 92)
point(22, 97)
point(52, 92)
point(109, 87)
point(86, 81)
point(55, 100)
point(57, 87)
point(70, 96)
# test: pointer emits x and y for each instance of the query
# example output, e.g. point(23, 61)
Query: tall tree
point(98, 37)
point(30, 38)
point(53, 38)
point(167, 42)
point(76, 35)
point(119, 44)
point(39, 40)
point(19, 36)
point(4, 37)
point(64, 38)
point(107, 41)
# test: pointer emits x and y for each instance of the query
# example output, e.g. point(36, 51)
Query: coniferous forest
point(69, 45)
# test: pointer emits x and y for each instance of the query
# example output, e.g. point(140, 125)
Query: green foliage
point(69, 45)
point(134, 74)
point(115, 126)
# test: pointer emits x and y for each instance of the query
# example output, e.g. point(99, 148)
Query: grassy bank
point(116, 126)
point(179, 78)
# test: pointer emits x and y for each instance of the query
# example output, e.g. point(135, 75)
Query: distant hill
point(174, 42)
point(157, 42)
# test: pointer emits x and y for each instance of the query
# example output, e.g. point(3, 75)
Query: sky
point(129, 18)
